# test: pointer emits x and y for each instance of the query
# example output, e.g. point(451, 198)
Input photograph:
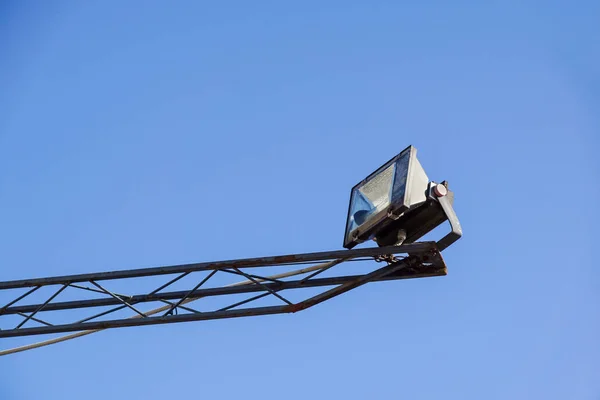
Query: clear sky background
point(137, 134)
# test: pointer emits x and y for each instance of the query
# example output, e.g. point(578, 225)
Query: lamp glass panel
point(400, 178)
point(371, 197)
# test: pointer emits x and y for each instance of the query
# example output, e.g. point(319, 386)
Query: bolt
point(440, 190)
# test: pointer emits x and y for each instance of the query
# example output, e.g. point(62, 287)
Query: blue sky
point(137, 134)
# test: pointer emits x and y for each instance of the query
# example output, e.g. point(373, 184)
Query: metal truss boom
point(207, 266)
point(21, 318)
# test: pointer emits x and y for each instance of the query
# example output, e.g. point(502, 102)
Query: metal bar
point(19, 298)
point(420, 247)
point(251, 277)
point(89, 289)
point(325, 268)
point(63, 287)
point(190, 292)
point(274, 293)
point(125, 303)
point(435, 270)
point(85, 288)
point(112, 310)
point(255, 277)
point(244, 312)
point(239, 303)
point(36, 319)
point(455, 228)
point(172, 281)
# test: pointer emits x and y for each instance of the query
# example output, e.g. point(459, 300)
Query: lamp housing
point(395, 204)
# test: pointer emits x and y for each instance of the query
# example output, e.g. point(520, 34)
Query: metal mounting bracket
point(441, 191)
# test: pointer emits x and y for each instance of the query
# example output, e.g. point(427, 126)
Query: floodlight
point(398, 204)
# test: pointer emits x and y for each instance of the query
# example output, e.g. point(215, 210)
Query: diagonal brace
point(21, 297)
point(36, 319)
point(273, 292)
point(125, 303)
point(63, 287)
point(202, 282)
point(239, 303)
